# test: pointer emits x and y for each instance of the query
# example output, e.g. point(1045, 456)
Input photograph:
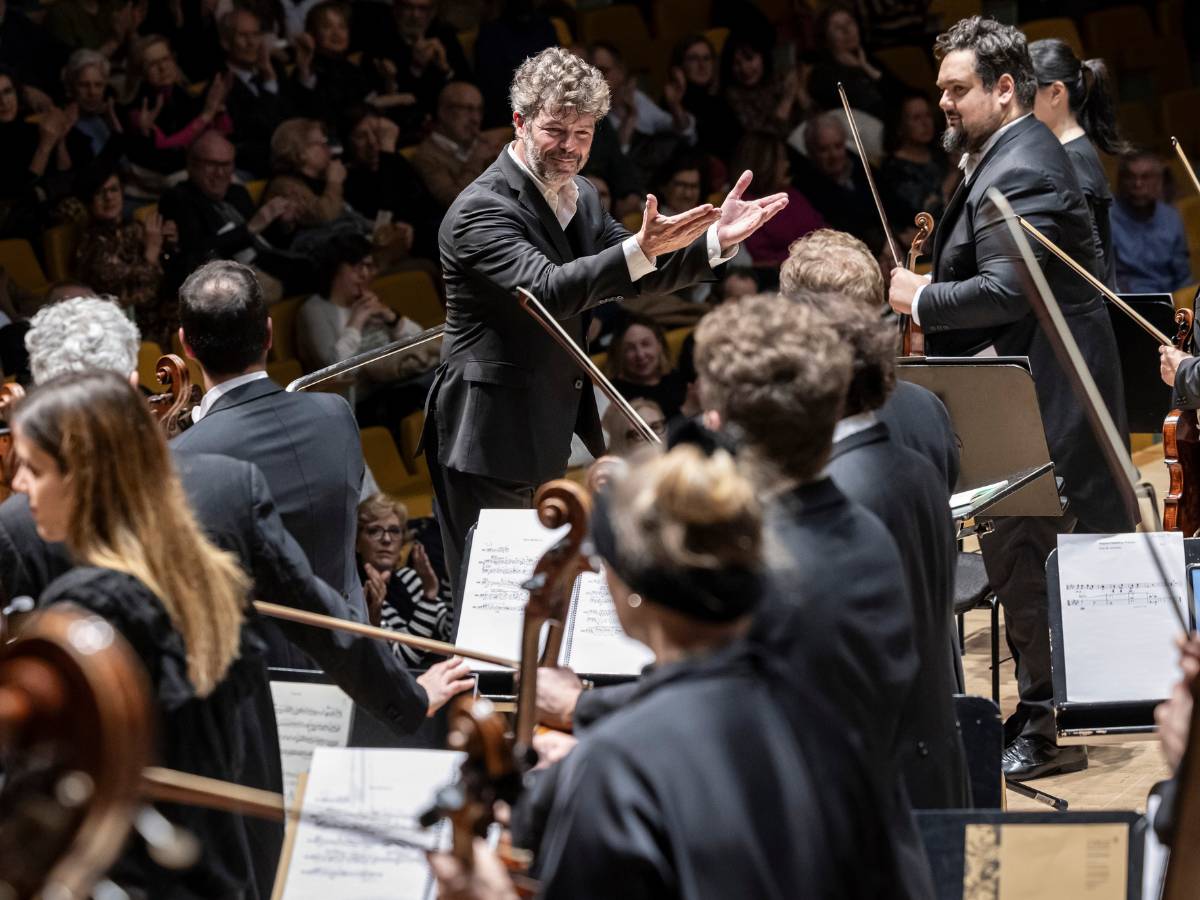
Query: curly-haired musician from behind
point(507, 398)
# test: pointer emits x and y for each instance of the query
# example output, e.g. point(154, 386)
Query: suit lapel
point(943, 228)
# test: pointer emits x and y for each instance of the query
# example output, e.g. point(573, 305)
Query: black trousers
point(1014, 555)
point(460, 496)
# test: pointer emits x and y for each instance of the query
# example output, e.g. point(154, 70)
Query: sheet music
point(1118, 629)
point(597, 644)
point(382, 789)
point(506, 546)
point(308, 716)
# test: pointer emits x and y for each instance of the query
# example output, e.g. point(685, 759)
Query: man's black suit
point(977, 298)
point(308, 449)
point(235, 508)
point(255, 115)
point(506, 397)
point(908, 494)
point(210, 230)
point(917, 419)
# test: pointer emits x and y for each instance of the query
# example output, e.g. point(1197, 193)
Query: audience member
point(647, 132)
point(327, 81)
point(681, 184)
point(103, 25)
point(216, 219)
point(835, 182)
point(346, 317)
point(766, 156)
point(915, 177)
point(409, 599)
point(455, 152)
point(163, 116)
point(32, 54)
point(624, 438)
point(125, 259)
point(381, 182)
point(1148, 237)
point(602, 191)
point(255, 103)
point(29, 154)
point(521, 29)
point(419, 57)
point(844, 61)
point(308, 175)
point(761, 101)
point(717, 125)
point(626, 180)
point(96, 133)
point(639, 365)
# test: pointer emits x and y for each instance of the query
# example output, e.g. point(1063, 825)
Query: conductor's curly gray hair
point(78, 334)
point(558, 81)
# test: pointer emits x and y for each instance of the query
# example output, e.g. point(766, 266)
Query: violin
point(912, 339)
point(10, 395)
point(1181, 453)
point(76, 729)
point(173, 407)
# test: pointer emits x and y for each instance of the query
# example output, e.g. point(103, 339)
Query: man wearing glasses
point(217, 219)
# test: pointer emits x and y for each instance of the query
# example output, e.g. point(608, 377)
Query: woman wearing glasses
point(410, 599)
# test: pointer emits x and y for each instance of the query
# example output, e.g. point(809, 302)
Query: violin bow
point(1054, 326)
point(404, 345)
point(384, 634)
point(542, 316)
point(1095, 282)
point(1187, 166)
point(866, 164)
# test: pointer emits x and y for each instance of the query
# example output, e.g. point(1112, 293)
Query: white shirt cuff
point(714, 248)
point(640, 265)
point(913, 313)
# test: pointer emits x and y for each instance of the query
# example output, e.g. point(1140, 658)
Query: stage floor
point(1119, 776)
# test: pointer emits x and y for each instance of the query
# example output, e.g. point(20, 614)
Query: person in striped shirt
point(406, 598)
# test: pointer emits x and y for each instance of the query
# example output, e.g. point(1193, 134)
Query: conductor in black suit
point(506, 398)
point(976, 300)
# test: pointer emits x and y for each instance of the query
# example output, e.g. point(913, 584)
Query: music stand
point(1096, 722)
point(1001, 440)
point(1147, 398)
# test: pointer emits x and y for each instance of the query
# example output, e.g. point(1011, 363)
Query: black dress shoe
point(1030, 757)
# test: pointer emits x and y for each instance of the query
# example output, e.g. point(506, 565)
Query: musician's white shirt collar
point(970, 161)
point(852, 425)
point(217, 391)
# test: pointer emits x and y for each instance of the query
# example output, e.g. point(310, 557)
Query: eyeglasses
point(375, 532)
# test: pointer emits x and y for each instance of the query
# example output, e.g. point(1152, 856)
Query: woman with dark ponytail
point(1075, 102)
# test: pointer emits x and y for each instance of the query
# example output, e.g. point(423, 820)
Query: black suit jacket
point(977, 298)
point(204, 232)
point(255, 117)
point(908, 495)
point(506, 397)
point(308, 449)
point(917, 419)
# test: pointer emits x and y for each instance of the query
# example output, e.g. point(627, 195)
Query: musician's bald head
point(223, 318)
point(832, 262)
point(79, 334)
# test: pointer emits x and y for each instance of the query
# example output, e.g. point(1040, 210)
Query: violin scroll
point(173, 408)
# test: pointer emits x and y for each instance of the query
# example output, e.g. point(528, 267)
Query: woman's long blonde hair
point(129, 512)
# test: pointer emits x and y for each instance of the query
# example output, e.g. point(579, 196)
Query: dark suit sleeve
point(994, 295)
point(1187, 384)
point(489, 240)
point(363, 667)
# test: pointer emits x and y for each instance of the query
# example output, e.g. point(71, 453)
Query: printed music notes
point(308, 716)
point(1119, 631)
point(384, 791)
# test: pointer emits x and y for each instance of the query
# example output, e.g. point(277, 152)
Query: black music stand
point(1001, 439)
point(1096, 722)
point(1147, 398)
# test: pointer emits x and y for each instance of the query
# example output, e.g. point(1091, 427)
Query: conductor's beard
point(555, 168)
point(958, 138)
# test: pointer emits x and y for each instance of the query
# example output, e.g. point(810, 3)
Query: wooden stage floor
point(1119, 776)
